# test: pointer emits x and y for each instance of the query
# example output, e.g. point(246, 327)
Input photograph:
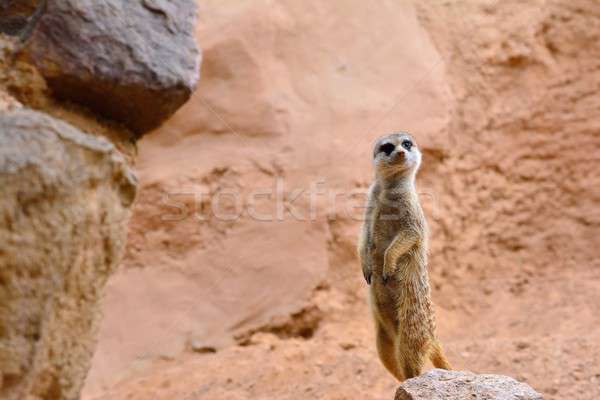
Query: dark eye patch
point(387, 148)
point(407, 144)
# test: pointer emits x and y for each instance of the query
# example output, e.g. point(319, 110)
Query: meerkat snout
point(400, 156)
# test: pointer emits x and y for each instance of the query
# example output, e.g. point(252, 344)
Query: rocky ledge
point(439, 384)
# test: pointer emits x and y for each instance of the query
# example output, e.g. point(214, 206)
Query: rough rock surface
point(502, 97)
point(65, 205)
point(439, 384)
point(135, 62)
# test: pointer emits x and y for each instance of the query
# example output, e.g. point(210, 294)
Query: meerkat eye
point(387, 148)
point(407, 144)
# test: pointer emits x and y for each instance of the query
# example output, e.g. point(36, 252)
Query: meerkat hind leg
point(387, 352)
point(411, 366)
point(437, 357)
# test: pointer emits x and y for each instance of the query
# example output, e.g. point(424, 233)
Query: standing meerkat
point(393, 253)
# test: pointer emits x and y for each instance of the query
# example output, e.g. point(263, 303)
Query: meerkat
point(393, 252)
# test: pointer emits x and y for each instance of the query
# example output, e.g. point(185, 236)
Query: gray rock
point(439, 384)
point(132, 61)
point(65, 198)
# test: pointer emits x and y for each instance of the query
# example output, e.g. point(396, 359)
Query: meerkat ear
point(376, 146)
point(376, 149)
point(419, 158)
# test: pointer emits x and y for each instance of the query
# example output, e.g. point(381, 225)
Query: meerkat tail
point(437, 357)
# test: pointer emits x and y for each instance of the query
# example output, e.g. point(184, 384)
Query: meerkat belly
point(403, 306)
point(384, 301)
point(414, 315)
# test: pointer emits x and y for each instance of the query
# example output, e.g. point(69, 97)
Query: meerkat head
point(396, 155)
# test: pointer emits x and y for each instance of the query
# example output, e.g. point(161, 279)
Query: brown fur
point(393, 250)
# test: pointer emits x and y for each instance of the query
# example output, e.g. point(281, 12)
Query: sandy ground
point(258, 294)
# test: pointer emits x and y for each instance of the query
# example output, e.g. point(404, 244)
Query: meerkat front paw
point(367, 273)
point(389, 269)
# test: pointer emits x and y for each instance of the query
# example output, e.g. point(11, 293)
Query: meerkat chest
point(388, 221)
point(386, 226)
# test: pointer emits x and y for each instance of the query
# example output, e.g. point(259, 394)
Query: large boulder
point(135, 62)
point(439, 384)
point(64, 205)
